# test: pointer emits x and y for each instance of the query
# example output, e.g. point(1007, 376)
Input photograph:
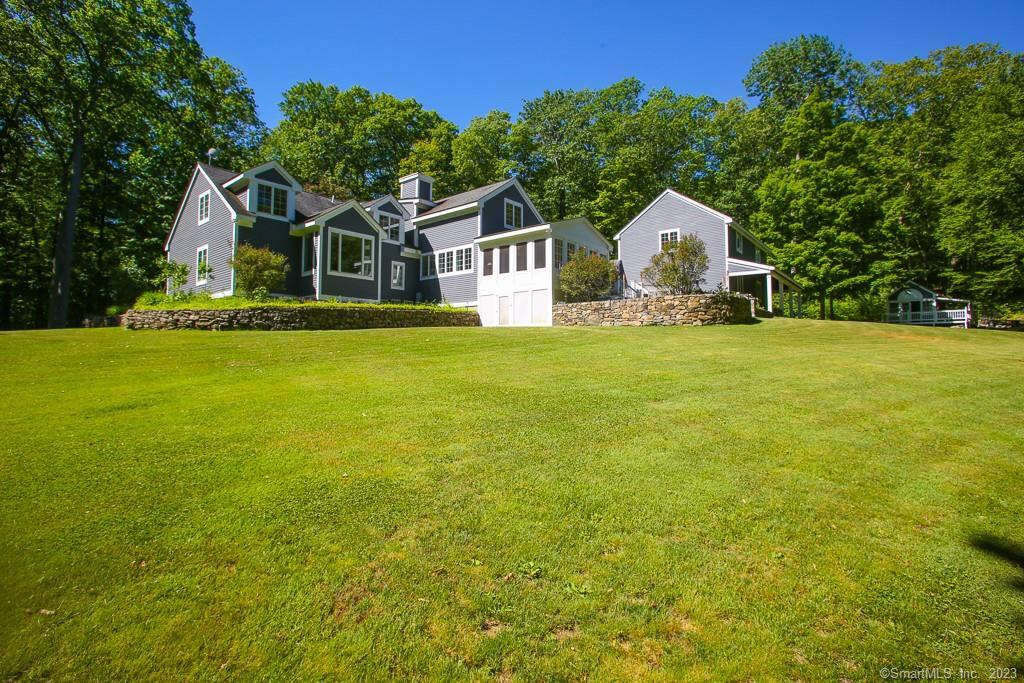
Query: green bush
point(258, 270)
point(173, 273)
point(586, 278)
point(679, 268)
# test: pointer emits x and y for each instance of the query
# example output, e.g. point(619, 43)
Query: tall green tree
point(347, 142)
point(481, 154)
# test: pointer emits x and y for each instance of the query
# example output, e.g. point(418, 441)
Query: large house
point(736, 259)
point(488, 248)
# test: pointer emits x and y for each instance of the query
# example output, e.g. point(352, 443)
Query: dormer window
point(391, 225)
point(272, 200)
point(513, 214)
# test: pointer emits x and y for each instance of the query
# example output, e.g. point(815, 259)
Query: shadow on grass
point(1012, 553)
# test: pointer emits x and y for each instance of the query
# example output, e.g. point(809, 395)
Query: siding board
point(218, 232)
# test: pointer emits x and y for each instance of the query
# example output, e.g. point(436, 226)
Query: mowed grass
point(787, 500)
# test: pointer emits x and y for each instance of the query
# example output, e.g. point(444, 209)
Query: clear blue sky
point(463, 59)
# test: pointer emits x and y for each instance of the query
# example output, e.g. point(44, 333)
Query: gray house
point(737, 260)
point(407, 248)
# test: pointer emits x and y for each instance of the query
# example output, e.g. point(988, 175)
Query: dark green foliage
point(586, 278)
point(679, 268)
point(258, 270)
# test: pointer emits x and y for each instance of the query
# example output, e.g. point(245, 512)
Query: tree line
point(858, 175)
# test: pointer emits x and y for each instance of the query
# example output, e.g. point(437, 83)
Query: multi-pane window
point(668, 237)
point(204, 207)
point(559, 253)
point(540, 253)
point(488, 261)
point(202, 264)
point(390, 225)
point(350, 254)
point(757, 256)
point(308, 253)
point(447, 262)
point(272, 200)
point(570, 251)
point(738, 241)
point(397, 275)
point(513, 214)
point(521, 256)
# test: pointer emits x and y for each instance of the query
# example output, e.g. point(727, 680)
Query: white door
point(504, 310)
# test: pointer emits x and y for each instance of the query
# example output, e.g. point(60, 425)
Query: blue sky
point(463, 59)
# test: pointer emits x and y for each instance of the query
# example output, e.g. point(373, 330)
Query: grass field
point(787, 500)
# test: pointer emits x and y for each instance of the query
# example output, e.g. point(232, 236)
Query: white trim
point(417, 174)
point(274, 188)
point(253, 172)
point(677, 195)
point(302, 255)
point(375, 204)
point(449, 250)
point(539, 230)
point(737, 241)
point(184, 201)
point(673, 231)
point(199, 208)
point(221, 294)
point(401, 265)
point(504, 214)
point(398, 226)
point(339, 273)
point(504, 186)
point(341, 208)
point(460, 209)
point(206, 248)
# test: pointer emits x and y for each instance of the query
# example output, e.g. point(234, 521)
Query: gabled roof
point(217, 174)
point(464, 198)
point(374, 203)
point(211, 173)
point(680, 196)
point(308, 205)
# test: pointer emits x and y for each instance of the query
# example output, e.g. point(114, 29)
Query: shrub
point(679, 268)
point(586, 278)
point(171, 273)
point(258, 270)
point(151, 299)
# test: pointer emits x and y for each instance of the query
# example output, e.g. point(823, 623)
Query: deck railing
point(951, 316)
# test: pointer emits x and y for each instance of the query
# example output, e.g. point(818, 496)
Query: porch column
point(768, 297)
point(782, 298)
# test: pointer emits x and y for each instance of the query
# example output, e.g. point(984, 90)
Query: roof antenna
point(210, 154)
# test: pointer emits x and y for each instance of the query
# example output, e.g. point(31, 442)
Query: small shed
point(914, 304)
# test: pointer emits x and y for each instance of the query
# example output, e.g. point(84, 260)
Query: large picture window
point(513, 214)
point(350, 255)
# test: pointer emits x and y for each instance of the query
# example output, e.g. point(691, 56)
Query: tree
point(258, 270)
point(785, 75)
point(586, 278)
point(481, 153)
point(679, 268)
point(97, 97)
point(821, 210)
point(432, 155)
point(348, 143)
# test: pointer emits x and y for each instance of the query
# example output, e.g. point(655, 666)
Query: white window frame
point(442, 257)
point(757, 255)
point(662, 241)
point(738, 242)
point(559, 249)
point(200, 218)
point(397, 226)
point(401, 269)
point(274, 189)
point(312, 257)
point(365, 238)
point(522, 216)
point(570, 251)
point(200, 250)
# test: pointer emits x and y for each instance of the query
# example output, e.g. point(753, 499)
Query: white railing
point(952, 316)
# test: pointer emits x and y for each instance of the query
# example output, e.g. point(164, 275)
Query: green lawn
point(792, 499)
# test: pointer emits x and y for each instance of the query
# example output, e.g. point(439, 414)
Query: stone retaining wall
point(298, 318)
point(684, 309)
point(995, 324)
